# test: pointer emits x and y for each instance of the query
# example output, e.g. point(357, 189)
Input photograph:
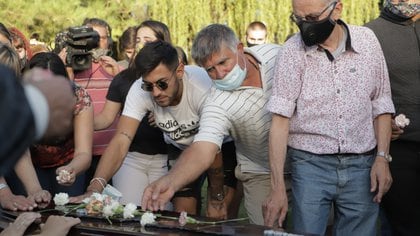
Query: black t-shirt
point(148, 140)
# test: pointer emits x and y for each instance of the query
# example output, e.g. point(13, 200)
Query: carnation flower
point(63, 176)
point(94, 207)
point(401, 121)
point(97, 196)
point(129, 210)
point(61, 199)
point(182, 218)
point(107, 211)
point(147, 218)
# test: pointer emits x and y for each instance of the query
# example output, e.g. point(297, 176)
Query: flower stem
point(222, 221)
point(75, 208)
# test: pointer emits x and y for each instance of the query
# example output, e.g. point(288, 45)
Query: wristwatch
point(386, 156)
point(218, 196)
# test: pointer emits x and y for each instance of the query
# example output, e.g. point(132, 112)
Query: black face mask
point(251, 44)
point(316, 32)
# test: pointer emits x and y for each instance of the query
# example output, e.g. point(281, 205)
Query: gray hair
point(211, 40)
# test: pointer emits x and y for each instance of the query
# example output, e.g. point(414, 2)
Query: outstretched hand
point(22, 222)
point(58, 225)
point(80, 198)
point(157, 194)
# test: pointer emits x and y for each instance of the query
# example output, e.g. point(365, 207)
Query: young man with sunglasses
point(332, 107)
point(236, 106)
point(175, 94)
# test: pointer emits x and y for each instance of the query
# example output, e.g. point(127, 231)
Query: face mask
point(316, 32)
point(251, 44)
point(232, 80)
point(402, 9)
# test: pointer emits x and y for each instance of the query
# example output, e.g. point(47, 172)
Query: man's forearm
point(278, 145)
point(383, 131)
point(193, 161)
point(215, 177)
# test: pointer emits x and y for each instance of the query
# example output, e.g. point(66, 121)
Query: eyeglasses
point(310, 17)
point(161, 84)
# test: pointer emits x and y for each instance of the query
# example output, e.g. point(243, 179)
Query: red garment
point(62, 151)
point(96, 81)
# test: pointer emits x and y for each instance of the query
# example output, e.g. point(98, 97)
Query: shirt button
point(340, 116)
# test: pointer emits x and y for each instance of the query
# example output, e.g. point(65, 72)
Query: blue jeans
point(342, 181)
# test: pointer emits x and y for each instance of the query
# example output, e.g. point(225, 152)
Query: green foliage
point(183, 17)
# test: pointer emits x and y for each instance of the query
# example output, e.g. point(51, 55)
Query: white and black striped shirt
point(242, 114)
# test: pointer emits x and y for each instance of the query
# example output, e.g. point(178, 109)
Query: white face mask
point(233, 79)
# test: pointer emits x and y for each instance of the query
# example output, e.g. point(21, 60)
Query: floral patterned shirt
point(62, 151)
point(332, 102)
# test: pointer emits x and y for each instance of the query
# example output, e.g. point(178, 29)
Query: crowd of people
point(303, 131)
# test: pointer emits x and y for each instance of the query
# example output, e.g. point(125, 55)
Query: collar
point(349, 45)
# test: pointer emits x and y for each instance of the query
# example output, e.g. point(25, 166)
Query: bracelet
point(3, 185)
point(99, 179)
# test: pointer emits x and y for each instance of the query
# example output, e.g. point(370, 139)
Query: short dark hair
point(98, 22)
point(50, 61)
point(153, 54)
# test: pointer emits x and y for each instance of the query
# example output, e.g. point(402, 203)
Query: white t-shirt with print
point(179, 123)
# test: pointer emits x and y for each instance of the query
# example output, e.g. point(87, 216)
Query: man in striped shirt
point(236, 107)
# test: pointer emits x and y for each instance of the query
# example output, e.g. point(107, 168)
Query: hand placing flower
point(65, 175)
point(61, 199)
point(147, 218)
point(401, 121)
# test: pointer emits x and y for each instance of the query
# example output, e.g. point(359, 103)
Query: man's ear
point(240, 47)
point(337, 11)
point(180, 70)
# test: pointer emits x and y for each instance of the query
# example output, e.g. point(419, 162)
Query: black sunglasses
point(160, 84)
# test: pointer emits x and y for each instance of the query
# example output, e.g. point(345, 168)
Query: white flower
point(129, 210)
point(147, 218)
point(402, 121)
point(61, 199)
point(97, 196)
point(86, 200)
point(107, 211)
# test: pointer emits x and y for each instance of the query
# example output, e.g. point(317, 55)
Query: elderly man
point(237, 107)
point(332, 106)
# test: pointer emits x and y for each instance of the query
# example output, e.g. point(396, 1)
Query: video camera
point(78, 41)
